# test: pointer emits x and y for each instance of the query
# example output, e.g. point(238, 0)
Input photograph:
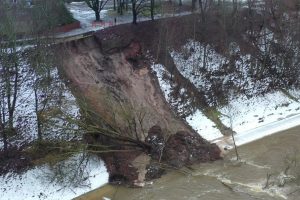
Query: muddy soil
point(110, 74)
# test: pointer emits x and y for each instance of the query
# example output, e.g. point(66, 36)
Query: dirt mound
point(184, 148)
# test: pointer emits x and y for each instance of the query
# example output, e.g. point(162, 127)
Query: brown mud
point(110, 74)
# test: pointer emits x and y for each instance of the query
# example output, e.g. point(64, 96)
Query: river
point(276, 156)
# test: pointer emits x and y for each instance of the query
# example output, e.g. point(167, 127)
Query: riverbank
point(225, 179)
point(242, 138)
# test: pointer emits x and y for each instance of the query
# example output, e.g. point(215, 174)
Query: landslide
point(159, 37)
point(110, 75)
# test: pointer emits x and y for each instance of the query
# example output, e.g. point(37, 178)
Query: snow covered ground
point(260, 116)
point(250, 117)
point(198, 121)
point(86, 16)
point(246, 114)
point(204, 126)
point(41, 183)
point(25, 114)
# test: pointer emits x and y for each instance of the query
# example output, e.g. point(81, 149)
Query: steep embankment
point(112, 79)
point(110, 74)
point(159, 38)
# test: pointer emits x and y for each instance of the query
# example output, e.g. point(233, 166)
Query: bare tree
point(194, 4)
point(97, 6)
point(41, 64)
point(3, 134)
point(120, 6)
point(9, 76)
point(204, 7)
point(139, 6)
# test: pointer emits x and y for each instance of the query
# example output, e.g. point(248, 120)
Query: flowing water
point(275, 157)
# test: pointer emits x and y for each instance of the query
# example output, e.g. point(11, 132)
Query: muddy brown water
point(276, 155)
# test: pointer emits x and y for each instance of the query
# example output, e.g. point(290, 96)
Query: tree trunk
point(120, 7)
point(127, 2)
point(204, 56)
point(134, 20)
point(193, 5)
point(180, 2)
point(3, 132)
point(5, 143)
point(134, 13)
point(234, 7)
point(202, 10)
point(14, 90)
point(152, 10)
point(114, 5)
point(97, 15)
point(4, 136)
point(38, 118)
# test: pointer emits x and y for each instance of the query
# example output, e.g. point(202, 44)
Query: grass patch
point(43, 16)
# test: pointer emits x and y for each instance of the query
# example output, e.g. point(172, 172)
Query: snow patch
point(197, 120)
point(243, 114)
point(196, 58)
point(259, 115)
point(34, 184)
point(204, 126)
